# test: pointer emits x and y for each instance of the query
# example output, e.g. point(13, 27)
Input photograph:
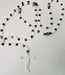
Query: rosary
point(33, 27)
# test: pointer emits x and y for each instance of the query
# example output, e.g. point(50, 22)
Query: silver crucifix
point(28, 59)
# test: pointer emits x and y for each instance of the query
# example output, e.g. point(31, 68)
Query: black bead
point(60, 19)
point(31, 36)
point(57, 0)
point(3, 24)
point(51, 18)
point(14, 10)
point(39, 15)
point(41, 25)
point(11, 15)
point(35, 9)
point(7, 19)
point(18, 39)
point(33, 30)
point(25, 39)
point(36, 15)
point(2, 44)
point(27, 51)
point(22, 3)
point(62, 14)
point(28, 2)
point(35, 20)
point(23, 45)
point(61, 4)
point(30, 25)
point(9, 44)
point(1, 30)
point(35, 25)
point(5, 38)
point(25, 21)
point(50, 12)
point(16, 44)
point(38, 20)
point(49, 3)
point(47, 27)
point(51, 23)
point(55, 29)
point(18, 6)
point(38, 31)
point(63, 9)
point(58, 24)
point(39, 9)
point(20, 17)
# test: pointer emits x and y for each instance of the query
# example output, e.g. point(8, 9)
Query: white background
point(50, 51)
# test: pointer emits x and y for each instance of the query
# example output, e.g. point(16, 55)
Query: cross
point(28, 59)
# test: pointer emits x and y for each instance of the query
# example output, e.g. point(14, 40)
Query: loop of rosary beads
point(37, 10)
point(35, 5)
point(49, 6)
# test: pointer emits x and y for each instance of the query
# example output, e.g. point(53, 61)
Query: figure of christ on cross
point(28, 59)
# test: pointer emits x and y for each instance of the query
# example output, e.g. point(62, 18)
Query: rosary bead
point(28, 2)
point(11, 15)
point(61, 4)
point(16, 44)
point(19, 10)
point(23, 45)
point(12, 37)
point(38, 31)
point(33, 30)
point(31, 36)
point(3, 24)
point(51, 23)
point(27, 51)
point(1, 30)
point(5, 38)
point(51, 18)
point(14, 10)
point(49, 6)
point(58, 24)
point(35, 25)
point(63, 9)
point(60, 19)
point(57, 0)
point(48, 33)
point(50, 12)
point(20, 17)
point(1, 37)
point(9, 44)
point(30, 25)
point(41, 25)
point(35, 9)
point(18, 39)
point(7, 19)
point(24, 21)
point(55, 29)
point(35, 4)
point(62, 14)
point(47, 27)
point(2, 44)
point(39, 9)
point(25, 39)
point(22, 3)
